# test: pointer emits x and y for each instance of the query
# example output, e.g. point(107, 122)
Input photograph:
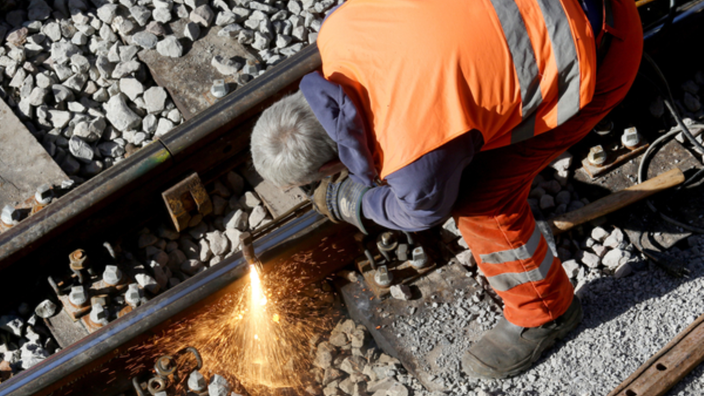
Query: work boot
point(507, 349)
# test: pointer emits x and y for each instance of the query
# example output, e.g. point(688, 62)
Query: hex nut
point(44, 194)
point(10, 215)
point(132, 296)
point(630, 138)
point(112, 275)
point(382, 276)
point(219, 89)
point(420, 259)
point(196, 382)
point(597, 155)
point(98, 315)
point(77, 296)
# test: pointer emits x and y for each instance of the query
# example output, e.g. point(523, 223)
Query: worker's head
point(289, 145)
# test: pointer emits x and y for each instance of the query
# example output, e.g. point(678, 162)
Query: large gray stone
point(80, 149)
point(107, 12)
point(131, 87)
point(62, 51)
point(61, 93)
point(192, 31)
point(124, 69)
point(202, 15)
point(145, 39)
point(155, 99)
point(225, 66)
point(164, 126)
point(236, 220)
point(120, 115)
point(170, 46)
point(140, 14)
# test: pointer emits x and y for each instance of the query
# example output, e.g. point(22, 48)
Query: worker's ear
point(332, 167)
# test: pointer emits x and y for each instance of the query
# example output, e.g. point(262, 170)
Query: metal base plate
point(402, 273)
point(379, 314)
point(189, 78)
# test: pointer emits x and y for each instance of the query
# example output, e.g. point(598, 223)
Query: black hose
point(681, 127)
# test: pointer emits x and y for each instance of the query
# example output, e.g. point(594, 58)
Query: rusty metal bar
point(153, 159)
point(45, 376)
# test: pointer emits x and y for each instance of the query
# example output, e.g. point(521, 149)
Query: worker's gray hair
point(289, 145)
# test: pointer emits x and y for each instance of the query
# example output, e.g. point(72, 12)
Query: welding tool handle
point(616, 201)
point(247, 246)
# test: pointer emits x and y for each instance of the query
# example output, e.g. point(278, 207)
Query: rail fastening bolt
point(112, 275)
point(630, 138)
point(219, 89)
point(196, 382)
point(597, 155)
point(383, 277)
point(10, 215)
point(77, 296)
point(132, 295)
point(44, 194)
point(420, 259)
point(98, 315)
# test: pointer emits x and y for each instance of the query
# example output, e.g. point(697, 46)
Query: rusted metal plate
point(680, 205)
point(614, 159)
point(403, 273)
point(277, 200)
point(669, 366)
point(672, 154)
point(185, 197)
point(24, 163)
point(189, 78)
point(379, 314)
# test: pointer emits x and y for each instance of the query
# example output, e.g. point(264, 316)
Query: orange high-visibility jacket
point(426, 71)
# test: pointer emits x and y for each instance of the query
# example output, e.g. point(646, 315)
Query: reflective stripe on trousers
point(492, 211)
point(526, 67)
point(508, 280)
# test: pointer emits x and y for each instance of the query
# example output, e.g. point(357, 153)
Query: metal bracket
point(614, 159)
point(183, 198)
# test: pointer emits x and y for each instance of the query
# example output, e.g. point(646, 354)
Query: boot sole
point(574, 320)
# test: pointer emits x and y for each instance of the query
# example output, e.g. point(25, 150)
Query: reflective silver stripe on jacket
point(520, 253)
point(522, 53)
point(565, 54)
point(509, 280)
point(526, 67)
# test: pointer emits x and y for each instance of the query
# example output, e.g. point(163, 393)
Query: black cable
point(642, 176)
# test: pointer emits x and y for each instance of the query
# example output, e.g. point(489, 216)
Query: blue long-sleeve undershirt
point(415, 197)
point(421, 195)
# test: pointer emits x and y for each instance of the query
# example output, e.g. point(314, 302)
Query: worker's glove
point(340, 199)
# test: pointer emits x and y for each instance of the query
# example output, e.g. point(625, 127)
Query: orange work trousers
point(492, 210)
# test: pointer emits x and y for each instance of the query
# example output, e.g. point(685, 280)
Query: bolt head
point(630, 137)
point(219, 88)
point(98, 314)
point(112, 275)
point(597, 155)
point(77, 296)
point(44, 194)
point(196, 381)
point(420, 259)
point(382, 277)
point(10, 215)
point(132, 295)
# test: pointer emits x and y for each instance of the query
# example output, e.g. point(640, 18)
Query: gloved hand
point(340, 199)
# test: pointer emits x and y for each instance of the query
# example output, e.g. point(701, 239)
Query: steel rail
point(686, 11)
point(189, 293)
point(155, 158)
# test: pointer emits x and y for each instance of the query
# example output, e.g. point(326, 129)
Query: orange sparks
point(242, 339)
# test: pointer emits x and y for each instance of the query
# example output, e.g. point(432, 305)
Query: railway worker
point(451, 108)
